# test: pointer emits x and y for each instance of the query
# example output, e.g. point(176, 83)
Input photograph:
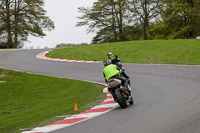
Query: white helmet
point(109, 53)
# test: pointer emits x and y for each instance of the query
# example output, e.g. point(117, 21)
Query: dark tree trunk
point(146, 21)
point(16, 14)
point(8, 25)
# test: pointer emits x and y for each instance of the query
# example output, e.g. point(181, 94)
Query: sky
point(64, 13)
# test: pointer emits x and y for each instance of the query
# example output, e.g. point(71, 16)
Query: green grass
point(10, 49)
point(29, 100)
point(185, 51)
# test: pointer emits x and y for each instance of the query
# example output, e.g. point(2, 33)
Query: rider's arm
point(122, 72)
point(118, 68)
point(105, 78)
point(116, 57)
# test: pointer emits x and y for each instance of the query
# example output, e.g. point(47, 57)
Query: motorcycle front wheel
point(131, 102)
point(119, 96)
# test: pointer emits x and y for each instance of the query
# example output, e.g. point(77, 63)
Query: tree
point(195, 12)
point(23, 18)
point(145, 11)
point(120, 20)
point(180, 19)
point(177, 18)
point(133, 32)
point(5, 17)
point(107, 18)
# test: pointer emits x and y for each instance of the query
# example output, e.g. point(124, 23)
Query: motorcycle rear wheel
point(121, 101)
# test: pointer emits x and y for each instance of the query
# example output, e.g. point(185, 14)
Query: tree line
point(21, 18)
point(123, 20)
point(111, 20)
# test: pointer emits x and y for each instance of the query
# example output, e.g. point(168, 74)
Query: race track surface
point(167, 97)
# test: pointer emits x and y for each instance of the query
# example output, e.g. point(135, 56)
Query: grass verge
point(29, 100)
point(182, 51)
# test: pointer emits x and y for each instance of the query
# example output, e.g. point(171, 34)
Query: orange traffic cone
point(75, 107)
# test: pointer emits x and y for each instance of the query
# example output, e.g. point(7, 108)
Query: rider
point(113, 71)
point(115, 59)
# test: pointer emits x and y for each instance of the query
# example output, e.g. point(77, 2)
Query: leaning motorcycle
point(121, 94)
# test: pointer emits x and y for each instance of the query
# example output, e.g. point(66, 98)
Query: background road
point(167, 97)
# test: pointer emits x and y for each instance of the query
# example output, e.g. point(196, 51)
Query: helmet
point(107, 62)
point(109, 53)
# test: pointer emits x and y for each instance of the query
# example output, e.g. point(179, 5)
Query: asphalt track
point(167, 97)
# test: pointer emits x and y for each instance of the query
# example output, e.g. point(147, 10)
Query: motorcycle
point(121, 94)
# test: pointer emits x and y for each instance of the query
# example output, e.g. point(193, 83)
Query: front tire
point(120, 98)
point(131, 102)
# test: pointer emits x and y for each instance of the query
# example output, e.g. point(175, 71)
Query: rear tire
point(120, 98)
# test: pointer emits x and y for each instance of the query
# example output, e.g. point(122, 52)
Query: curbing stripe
point(104, 106)
point(109, 97)
point(107, 102)
point(42, 56)
point(89, 115)
point(96, 110)
point(67, 121)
